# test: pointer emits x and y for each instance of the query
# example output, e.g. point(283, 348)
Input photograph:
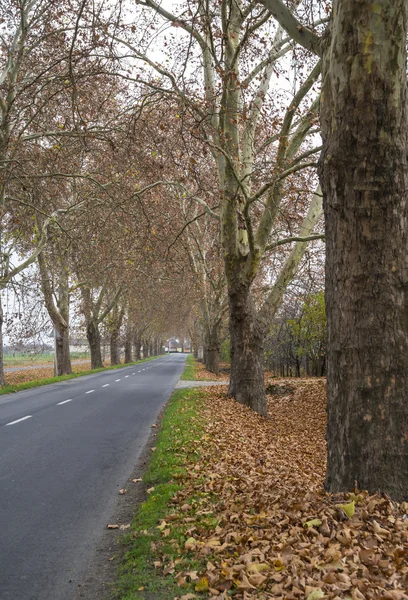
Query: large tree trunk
point(247, 362)
point(94, 341)
point(365, 179)
point(62, 353)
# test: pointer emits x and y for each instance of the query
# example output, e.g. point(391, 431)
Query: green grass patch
point(18, 387)
point(22, 360)
point(176, 449)
point(190, 370)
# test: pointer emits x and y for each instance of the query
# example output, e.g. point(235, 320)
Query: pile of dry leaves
point(274, 533)
point(205, 375)
point(41, 373)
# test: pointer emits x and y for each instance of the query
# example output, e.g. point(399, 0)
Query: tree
point(252, 157)
point(364, 175)
point(56, 291)
point(309, 331)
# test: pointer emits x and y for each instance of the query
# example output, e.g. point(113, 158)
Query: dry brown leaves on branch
point(271, 531)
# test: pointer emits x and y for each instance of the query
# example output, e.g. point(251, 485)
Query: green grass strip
point(18, 387)
point(190, 370)
point(176, 448)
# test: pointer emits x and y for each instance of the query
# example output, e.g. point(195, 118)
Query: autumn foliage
point(275, 533)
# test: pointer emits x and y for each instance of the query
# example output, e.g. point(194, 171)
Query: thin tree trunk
point(63, 356)
point(364, 177)
point(114, 347)
point(128, 350)
point(297, 367)
point(2, 377)
point(145, 349)
point(247, 366)
point(94, 341)
point(138, 347)
point(58, 312)
point(213, 350)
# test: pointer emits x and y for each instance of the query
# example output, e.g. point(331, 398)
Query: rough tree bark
point(247, 340)
point(212, 352)
point(364, 176)
point(94, 340)
point(114, 347)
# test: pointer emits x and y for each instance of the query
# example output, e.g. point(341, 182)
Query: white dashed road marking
point(64, 402)
point(117, 379)
point(89, 392)
point(19, 420)
point(106, 385)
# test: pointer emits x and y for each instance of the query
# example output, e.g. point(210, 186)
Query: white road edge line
point(106, 385)
point(19, 420)
point(64, 402)
point(89, 392)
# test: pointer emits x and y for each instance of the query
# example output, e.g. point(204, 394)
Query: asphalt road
point(66, 449)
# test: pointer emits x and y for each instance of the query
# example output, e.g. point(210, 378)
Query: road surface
point(66, 449)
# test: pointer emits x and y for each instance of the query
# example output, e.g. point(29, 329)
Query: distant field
point(21, 359)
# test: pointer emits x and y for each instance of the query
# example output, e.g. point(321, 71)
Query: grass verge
point(18, 387)
point(190, 370)
point(152, 549)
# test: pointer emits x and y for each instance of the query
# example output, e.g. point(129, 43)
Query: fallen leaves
point(254, 513)
point(348, 509)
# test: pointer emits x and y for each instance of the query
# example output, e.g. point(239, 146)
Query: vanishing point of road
point(65, 449)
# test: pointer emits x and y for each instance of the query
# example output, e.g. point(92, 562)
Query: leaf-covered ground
point(35, 374)
point(204, 375)
point(255, 517)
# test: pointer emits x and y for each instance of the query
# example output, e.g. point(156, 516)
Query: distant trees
point(296, 343)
